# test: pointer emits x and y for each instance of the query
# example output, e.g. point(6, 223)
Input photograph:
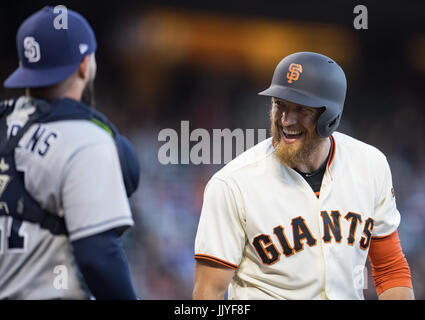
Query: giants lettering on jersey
point(301, 235)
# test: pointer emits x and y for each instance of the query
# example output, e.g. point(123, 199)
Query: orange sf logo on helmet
point(294, 72)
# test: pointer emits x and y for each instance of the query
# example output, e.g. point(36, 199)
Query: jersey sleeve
point(387, 216)
point(93, 192)
point(221, 232)
point(389, 265)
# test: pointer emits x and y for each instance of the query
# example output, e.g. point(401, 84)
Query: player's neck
point(67, 89)
point(316, 158)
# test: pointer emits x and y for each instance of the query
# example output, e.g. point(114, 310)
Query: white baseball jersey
point(70, 168)
point(263, 220)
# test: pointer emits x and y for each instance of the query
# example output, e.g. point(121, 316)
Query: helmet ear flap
point(325, 127)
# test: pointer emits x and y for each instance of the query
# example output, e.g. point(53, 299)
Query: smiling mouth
point(291, 135)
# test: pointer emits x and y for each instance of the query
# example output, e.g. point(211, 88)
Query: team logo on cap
point(32, 49)
point(83, 47)
point(294, 72)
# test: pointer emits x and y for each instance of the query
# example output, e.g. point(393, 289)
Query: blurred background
point(163, 62)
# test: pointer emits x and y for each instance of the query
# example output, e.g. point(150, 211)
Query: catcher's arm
point(103, 264)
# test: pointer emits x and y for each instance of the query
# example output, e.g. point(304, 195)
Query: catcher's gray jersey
point(72, 169)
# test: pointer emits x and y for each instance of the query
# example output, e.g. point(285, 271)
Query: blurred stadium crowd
point(155, 71)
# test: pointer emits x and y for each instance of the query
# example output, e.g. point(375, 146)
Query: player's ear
point(83, 70)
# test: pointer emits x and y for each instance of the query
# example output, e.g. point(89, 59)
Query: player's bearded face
point(293, 129)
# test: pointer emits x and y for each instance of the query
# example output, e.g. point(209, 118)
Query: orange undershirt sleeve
point(389, 266)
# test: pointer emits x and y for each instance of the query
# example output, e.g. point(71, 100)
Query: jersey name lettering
point(301, 235)
point(40, 140)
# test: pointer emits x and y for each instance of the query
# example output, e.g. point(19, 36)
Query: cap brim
point(36, 78)
point(293, 95)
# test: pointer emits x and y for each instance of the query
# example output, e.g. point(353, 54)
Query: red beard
point(293, 154)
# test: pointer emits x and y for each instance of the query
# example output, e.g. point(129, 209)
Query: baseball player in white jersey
point(63, 184)
point(296, 216)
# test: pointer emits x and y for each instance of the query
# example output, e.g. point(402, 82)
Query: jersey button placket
point(324, 192)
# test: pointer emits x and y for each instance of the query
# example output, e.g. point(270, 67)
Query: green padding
point(102, 125)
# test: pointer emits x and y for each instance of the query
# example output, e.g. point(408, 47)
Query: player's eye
point(306, 110)
point(280, 104)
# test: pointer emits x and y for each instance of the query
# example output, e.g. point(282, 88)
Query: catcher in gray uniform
point(65, 173)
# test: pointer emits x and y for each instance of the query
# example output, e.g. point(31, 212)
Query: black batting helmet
point(312, 80)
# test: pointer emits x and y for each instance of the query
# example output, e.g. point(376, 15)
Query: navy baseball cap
point(51, 46)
